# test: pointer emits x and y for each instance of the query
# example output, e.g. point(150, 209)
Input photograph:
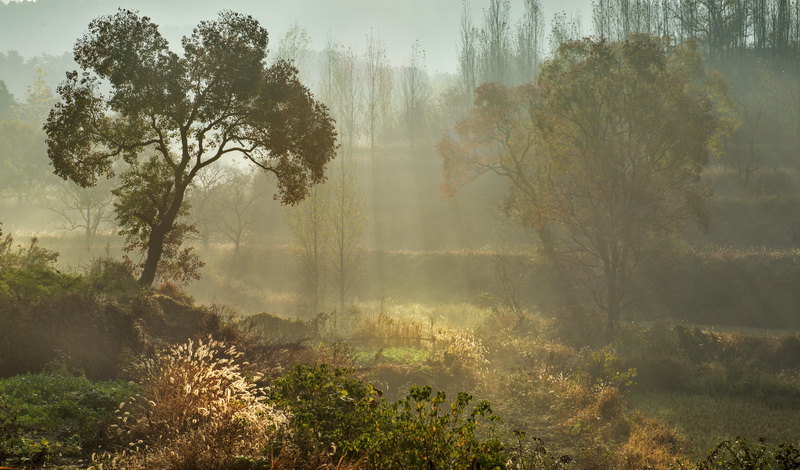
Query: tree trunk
point(155, 243)
point(155, 248)
point(566, 289)
point(613, 299)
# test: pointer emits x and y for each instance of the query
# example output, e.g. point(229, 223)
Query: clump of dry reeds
point(196, 410)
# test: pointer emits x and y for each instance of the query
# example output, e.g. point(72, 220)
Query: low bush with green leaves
point(330, 409)
point(44, 416)
point(424, 431)
point(333, 412)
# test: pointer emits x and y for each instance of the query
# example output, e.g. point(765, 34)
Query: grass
point(410, 356)
point(706, 420)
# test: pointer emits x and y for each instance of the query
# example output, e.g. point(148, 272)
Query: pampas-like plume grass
point(196, 410)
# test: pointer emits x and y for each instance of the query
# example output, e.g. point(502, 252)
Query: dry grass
point(196, 410)
point(706, 420)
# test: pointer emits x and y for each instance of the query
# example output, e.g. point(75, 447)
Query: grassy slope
point(706, 420)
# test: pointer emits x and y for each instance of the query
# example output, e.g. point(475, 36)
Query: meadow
point(451, 365)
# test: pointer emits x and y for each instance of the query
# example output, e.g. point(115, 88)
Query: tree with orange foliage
point(500, 136)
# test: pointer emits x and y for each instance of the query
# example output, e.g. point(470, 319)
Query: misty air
point(450, 234)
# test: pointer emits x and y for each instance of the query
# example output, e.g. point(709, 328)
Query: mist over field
point(501, 234)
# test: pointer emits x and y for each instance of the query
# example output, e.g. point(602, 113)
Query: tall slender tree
point(414, 94)
point(378, 80)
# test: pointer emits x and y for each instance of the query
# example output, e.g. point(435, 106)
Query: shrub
point(46, 315)
point(55, 413)
point(421, 431)
point(330, 410)
point(604, 368)
point(343, 418)
point(651, 444)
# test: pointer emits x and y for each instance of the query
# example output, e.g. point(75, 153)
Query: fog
point(36, 28)
point(585, 213)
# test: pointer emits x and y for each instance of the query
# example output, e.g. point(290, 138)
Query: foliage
point(605, 368)
point(332, 412)
point(328, 407)
point(421, 430)
point(7, 102)
point(55, 414)
point(85, 320)
point(743, 454)
point(139, 209)
point(38, 100)
point(34, 256)
point(24, 172)
point(168, 117)
point(626, 156)
point(603, 156)
point(23, 162)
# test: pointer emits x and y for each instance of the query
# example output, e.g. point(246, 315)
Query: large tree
point(169, 116)
point(603, 157)
point(628, 127)
point(500, 136)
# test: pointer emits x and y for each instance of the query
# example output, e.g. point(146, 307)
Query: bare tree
point(308, 229)
point(347, 80)
point(563, 29)
point(85, 209)
point(414, 91)
point(234, 201)
point(201, 196)
point(295, 47)
point(378, 78)
point(341, 82)
point(530, 34)
point(468, 56)
point(347, 227)
point(496, 42)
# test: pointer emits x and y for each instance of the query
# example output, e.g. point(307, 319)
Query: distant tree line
point(720, 27)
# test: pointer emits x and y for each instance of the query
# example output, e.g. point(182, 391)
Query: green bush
point(335, 413)
point(421, 430)
point(87, 321)
point(47, 315)
point(328, 407)
point(51, 414)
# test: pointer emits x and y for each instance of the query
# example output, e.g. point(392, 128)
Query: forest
point(578, 250)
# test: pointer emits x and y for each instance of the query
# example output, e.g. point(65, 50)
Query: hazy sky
point(435, 23)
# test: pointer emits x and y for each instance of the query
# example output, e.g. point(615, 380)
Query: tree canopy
point(166, 117)
point(603, 156)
